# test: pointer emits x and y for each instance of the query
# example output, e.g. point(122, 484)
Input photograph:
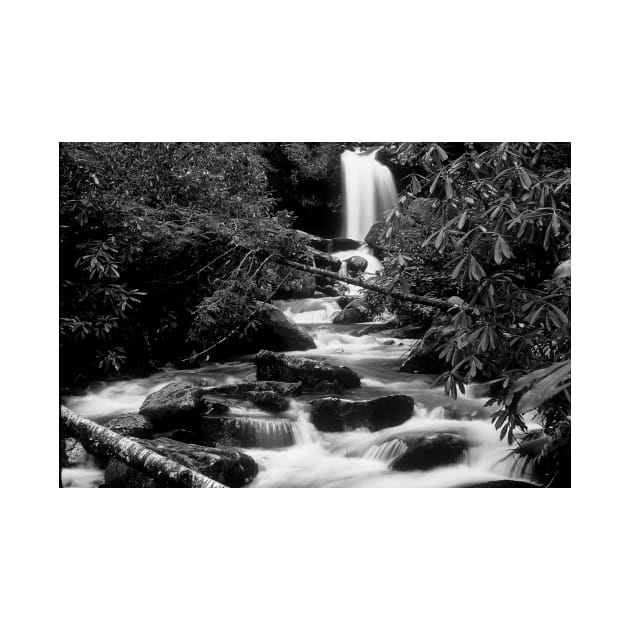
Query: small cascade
point(263, 432)
point(309, 310)
point(387, 451)
point(369, 192)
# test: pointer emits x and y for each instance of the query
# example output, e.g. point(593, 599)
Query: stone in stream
point(375, 238)
point(282, 367)
point(226, 465)
point(237, 390)
point(178, 405)
point(336, 414)
point(275, 331)
point(353, 313)
point(430, 451)
point(499, 483)
point(342, 244)
point(356, 264)
point(131, 425)
point(248, 432)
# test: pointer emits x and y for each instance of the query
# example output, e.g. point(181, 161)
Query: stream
point(356, 458)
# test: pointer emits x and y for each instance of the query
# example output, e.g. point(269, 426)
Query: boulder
point(175, 406)
point(275, 331)
point(375, 238)
point(269, 401)
point(330, 291)
point(344, 300)
point(342, 243)
point(325, 261)
point(248, 432)
point(424, 357)
point(214, 405)
point(281, 367)
point(226, 465)
point(327, 387)
point(356, 264)
point(353, 313)
point(131, 425)
point(74, 453)
point(429, 451)
point(336, 414)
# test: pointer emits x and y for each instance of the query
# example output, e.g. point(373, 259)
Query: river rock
point(325, 261)
point(226, 465)
point(344, 300)
point(353, 313)
point(424, 357)
point(281, 367)
point(131, 425)
point(176, 406)
point(275, 331)
point(330, 291)
point(499, 483)
point(236, 390)
point(429, 451)
point(327, 387)
point(356, 264)
point(342, 243)
point(336, 414)
point(248, 432)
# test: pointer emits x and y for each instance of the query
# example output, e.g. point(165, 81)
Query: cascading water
point(369, 192)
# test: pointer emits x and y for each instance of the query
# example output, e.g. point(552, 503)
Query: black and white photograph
point(305, 315)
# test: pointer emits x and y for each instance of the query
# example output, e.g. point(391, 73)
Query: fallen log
point(99, 440)
point(370, 286)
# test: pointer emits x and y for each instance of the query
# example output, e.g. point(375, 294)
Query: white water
point(347, 459)
point(369, 192)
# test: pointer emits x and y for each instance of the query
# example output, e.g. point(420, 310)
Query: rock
point(181, 435)
point(325, 261)
point(280, 367)
point(499, 483)
point(356, 264)
point(175, 406)
point(74, 453)
point(269, 401)
point(336, 414)
point(319, 294)
point(341, 243)
point(330, 291)
point(424, 356)
point(429, 451)
point(239, 389)
point(388, 342)
point(226, 465)
point(354, 313)
point(327, 387)
point(131, 425)
point(344, 300)
point(277, 332)
point(375, 238)
point(214, 405)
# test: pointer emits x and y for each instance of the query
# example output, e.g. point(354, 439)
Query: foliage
point(489, 226)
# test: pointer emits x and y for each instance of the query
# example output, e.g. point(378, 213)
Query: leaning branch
point(370, 286)
point(102, 441)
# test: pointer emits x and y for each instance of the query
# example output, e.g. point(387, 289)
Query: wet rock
point(175, 406)
point(180, 435)
point(214, 405)
point(226, 465)
point(131, 425)
point(74, 453)
point(375, 238)
point(354, 313)
point(327, 387)
point(330, 291)
point(277, 332)
point(269, 401)
point(326, 261)
point(319, 294)
point(356, 264)
point(424, 356)
point(388, 342)
point(250, 432)
point(336, 414)
point(344, 300)
point(236, 390)
point(341, 243)
point(281, 367)
point(429, 451)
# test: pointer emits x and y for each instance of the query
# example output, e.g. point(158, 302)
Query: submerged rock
point(281, 367)
point(430, 451)
point(131, 425)
point(336, 414)
point(226, 465)
point(248, 432)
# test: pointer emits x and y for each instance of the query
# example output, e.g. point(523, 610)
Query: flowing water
point(291, 452)
point(369, 192)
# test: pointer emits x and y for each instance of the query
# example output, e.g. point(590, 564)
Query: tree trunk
point(107, 443)
point(370, 286)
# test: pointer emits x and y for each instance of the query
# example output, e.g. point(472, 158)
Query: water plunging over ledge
point(369, 192)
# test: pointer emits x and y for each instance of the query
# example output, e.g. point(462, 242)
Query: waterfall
point(369, 192)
